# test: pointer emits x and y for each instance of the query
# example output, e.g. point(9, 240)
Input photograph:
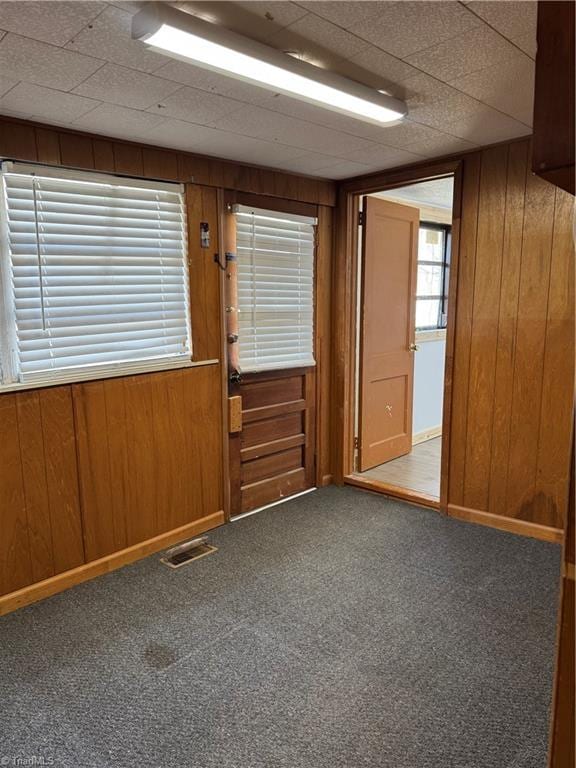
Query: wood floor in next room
point(417, 471)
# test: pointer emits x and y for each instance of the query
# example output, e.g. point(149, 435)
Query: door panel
point(389, 254)
point(273, 455)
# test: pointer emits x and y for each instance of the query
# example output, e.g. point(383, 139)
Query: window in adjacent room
point(433, 274)
point(94, 276)
point(275, 289)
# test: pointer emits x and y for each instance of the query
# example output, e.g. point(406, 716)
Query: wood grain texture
point(514, 354)
point(277, 444)
point(41, 523)
point(146, 465)
point(19, 141)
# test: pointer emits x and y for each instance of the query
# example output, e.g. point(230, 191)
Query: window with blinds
point(275, 253)
point(94, 276)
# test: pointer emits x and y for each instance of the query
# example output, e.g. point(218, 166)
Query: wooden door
point(388, 298)
point(272, 455)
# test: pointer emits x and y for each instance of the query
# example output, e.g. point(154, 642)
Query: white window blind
point(94, 275)
point(275, 253)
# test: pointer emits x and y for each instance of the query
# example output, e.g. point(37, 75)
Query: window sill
point(437, 334)
point(97, 376)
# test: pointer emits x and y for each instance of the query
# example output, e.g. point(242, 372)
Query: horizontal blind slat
point(98, 272)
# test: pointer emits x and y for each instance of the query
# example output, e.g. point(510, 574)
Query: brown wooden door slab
point(272, 456)
point(389, 254)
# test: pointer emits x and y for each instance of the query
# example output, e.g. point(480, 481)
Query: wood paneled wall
point(513, 356)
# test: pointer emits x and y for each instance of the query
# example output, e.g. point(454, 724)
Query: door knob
point(413, 347)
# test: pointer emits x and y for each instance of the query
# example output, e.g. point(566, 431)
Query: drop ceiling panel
point(476, 49)
point(509, 90)
point(515, 20)
point(36, 101)
point(109, 37)
point(117, 121)
point(59, 25)
point(460, 67)
point(126, 87)
point(35, 62)
point(403, 28)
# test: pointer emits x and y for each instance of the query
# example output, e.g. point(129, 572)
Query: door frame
point(345, 285)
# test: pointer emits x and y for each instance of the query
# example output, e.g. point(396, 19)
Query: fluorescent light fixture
point(189, 38)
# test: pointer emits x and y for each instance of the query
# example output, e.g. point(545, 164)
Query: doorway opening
point(405, 244)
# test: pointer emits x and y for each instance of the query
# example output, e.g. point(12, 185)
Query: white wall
point(428, 385)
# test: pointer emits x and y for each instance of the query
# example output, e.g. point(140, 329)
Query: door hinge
point(356, 443)
point(360, 218)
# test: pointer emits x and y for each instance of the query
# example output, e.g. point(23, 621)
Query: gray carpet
point(340, 629)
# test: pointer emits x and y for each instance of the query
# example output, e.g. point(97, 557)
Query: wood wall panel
point(514, 342)
point(41, 525)
point(147, 466)
point(20, 140)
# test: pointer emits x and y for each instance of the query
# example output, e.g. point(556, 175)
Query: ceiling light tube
point(189, 38)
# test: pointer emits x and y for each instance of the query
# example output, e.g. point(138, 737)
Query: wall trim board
point(53, 145)
point(509, 524)
point(62, 581)
point(426, 434)
point(404, 494)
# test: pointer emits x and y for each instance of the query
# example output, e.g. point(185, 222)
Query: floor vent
point(185, 553)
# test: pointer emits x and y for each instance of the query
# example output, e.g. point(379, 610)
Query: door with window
point(270, 257)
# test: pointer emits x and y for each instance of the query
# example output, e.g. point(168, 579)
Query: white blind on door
point(97, 276)
point(275, 253)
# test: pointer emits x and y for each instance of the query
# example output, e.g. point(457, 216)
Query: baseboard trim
point(62, 581)
point(404, 494)
point(509, 524)
point(326, 480)
point(427, 434)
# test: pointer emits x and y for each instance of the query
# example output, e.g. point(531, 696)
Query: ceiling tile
point(442, 113)
point(131, 7)
point(440, 144)
point(386, 157)
point(195, 106)
point(43, 64)
point(312, 36)
point(483, 125)
point(402, 28)
point(279, 14)
point(391, 71)
point(178, 133)
point(6, 83)
point(45, 103)
point(405, 133)
point(515, 20)
point(347, 13)
point(343, 170)
point(509, 89)
point(246, 149)
point(268, 125)
point(117, 121)
point(187, 74)
point(62, 22)
point(125, 87)
point(422, 90)
point(110, 37)
point(476, 49)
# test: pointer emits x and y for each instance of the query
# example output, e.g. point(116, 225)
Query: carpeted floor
point(338, 630)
